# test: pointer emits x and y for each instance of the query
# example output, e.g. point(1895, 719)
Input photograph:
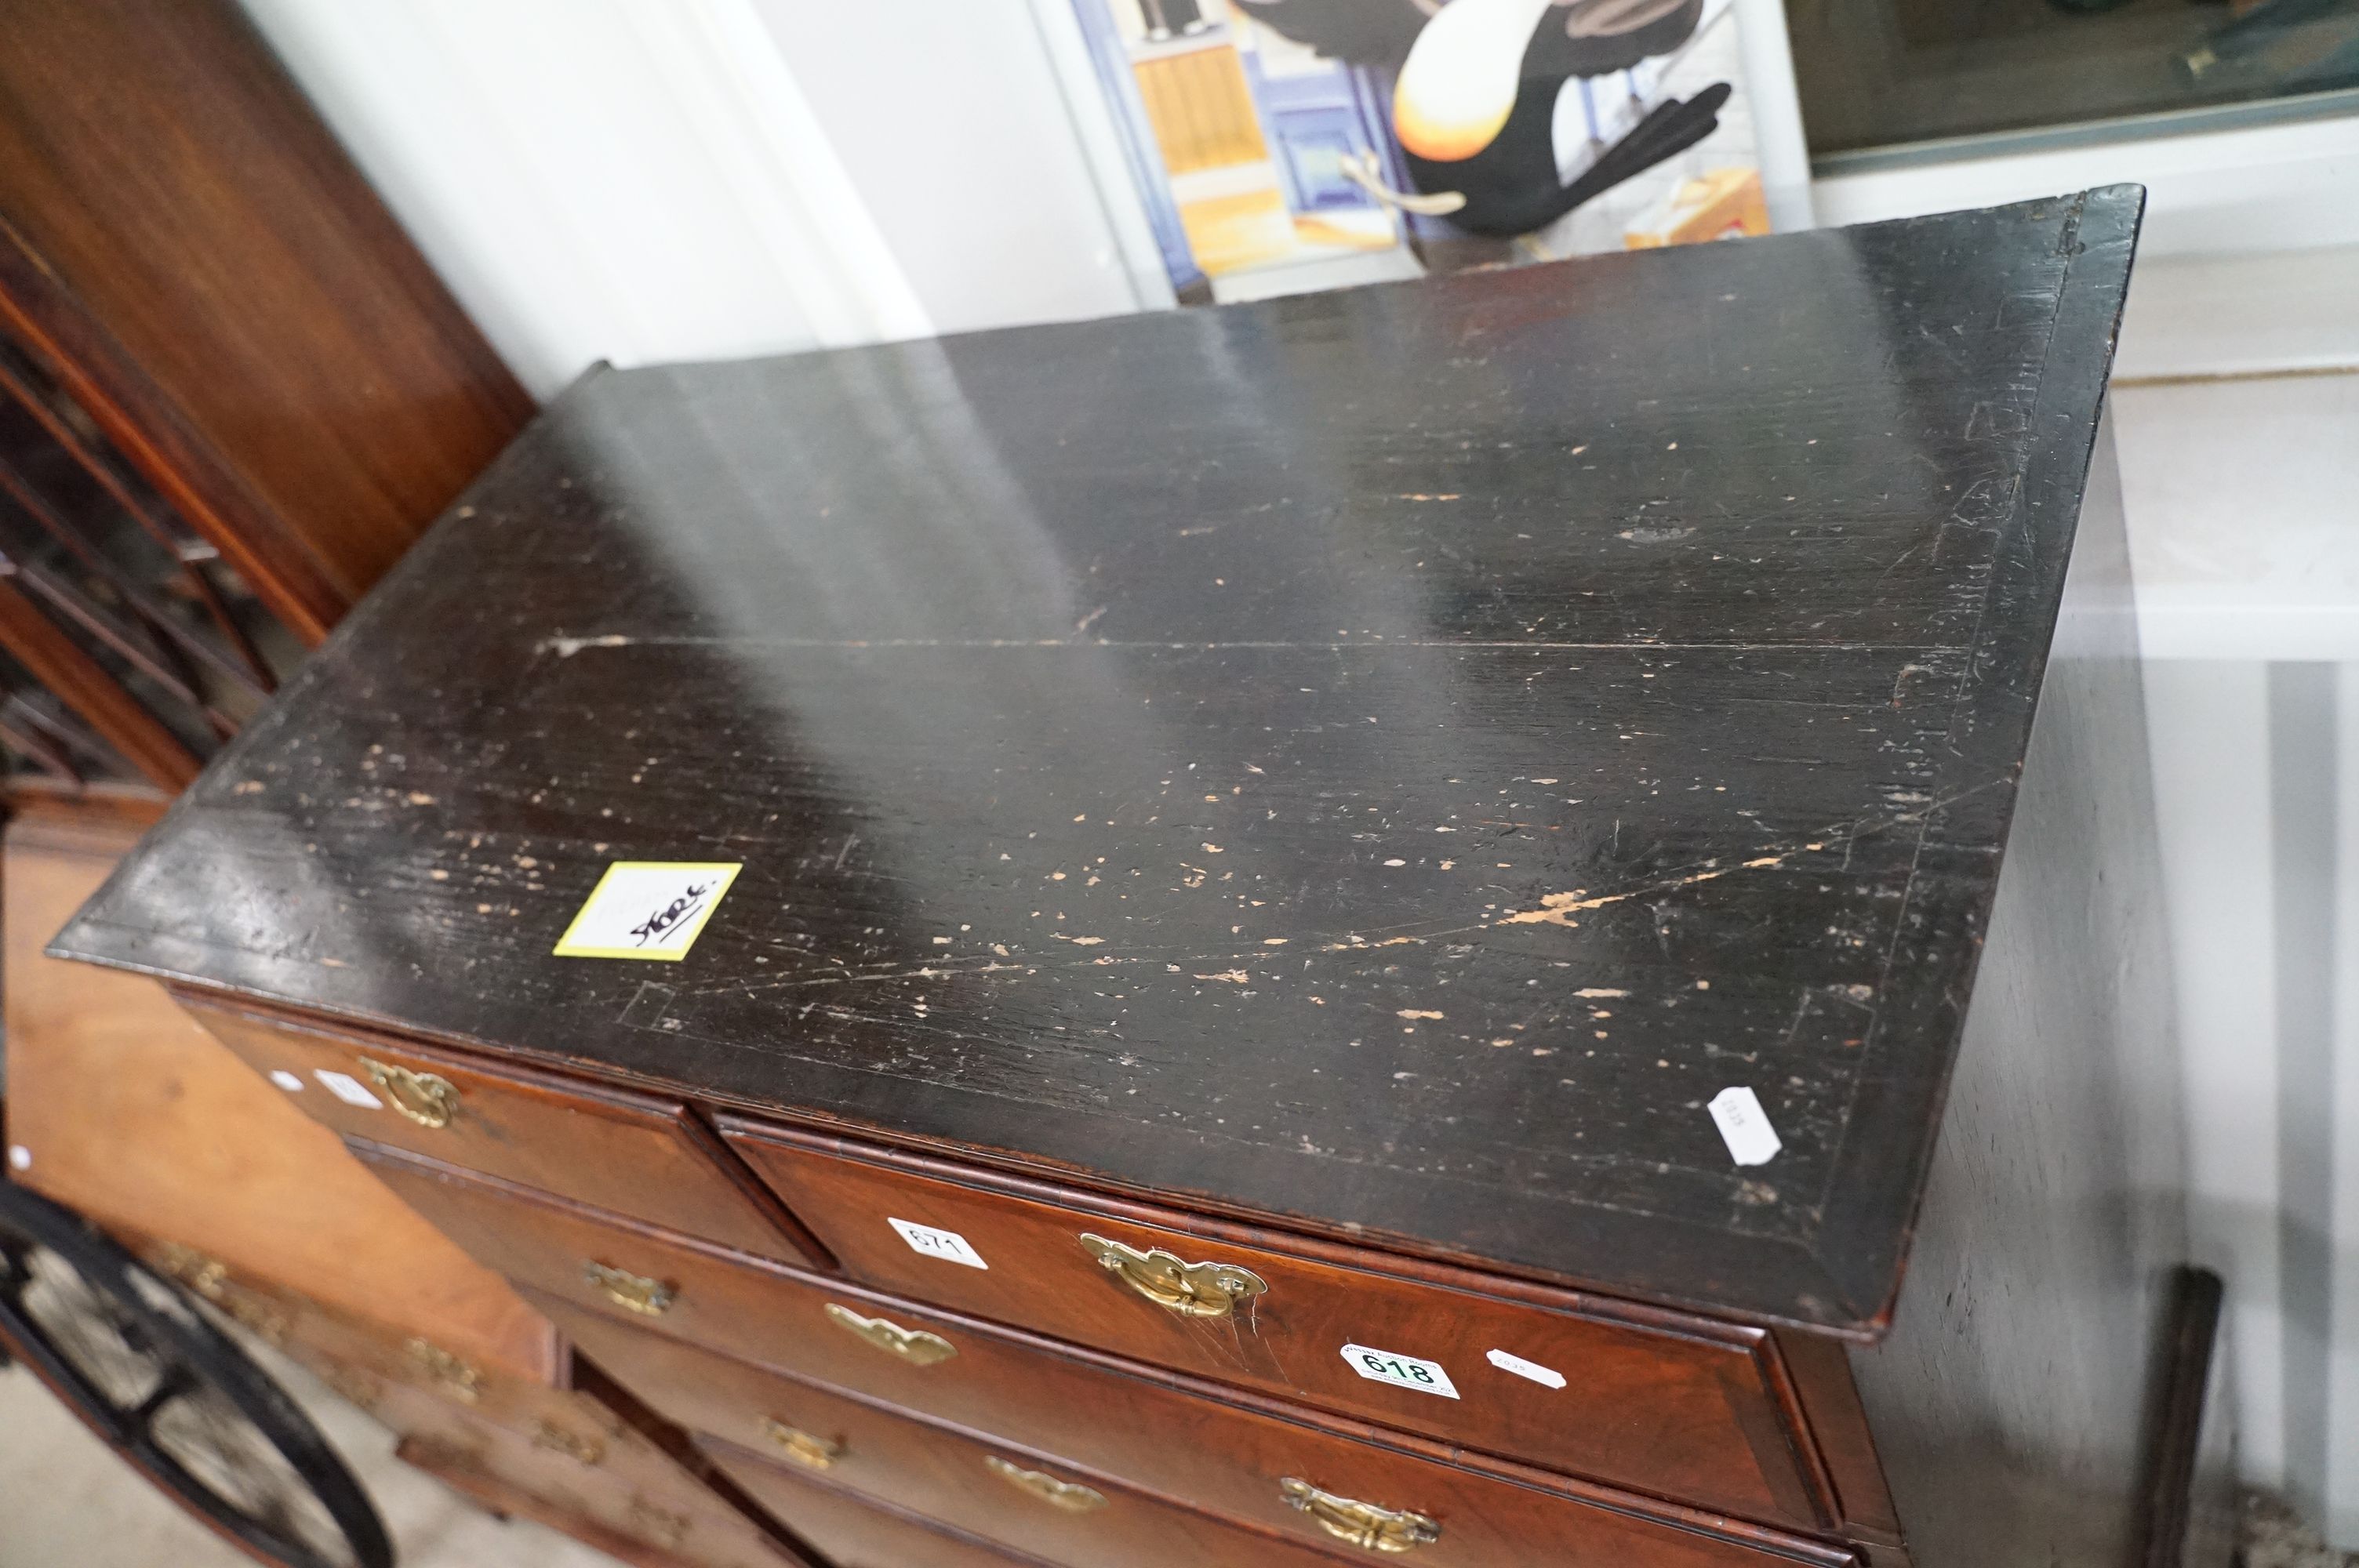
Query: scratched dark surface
point(1383, 759)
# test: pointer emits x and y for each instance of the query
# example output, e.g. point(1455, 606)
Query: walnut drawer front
point(310, 1332)
point(636, 1154)
point(1148, 1427)
point(1681, 1407)
point(1247, 1465)
point(1033, 1504)
point(632, 1501)
point(854, 1532)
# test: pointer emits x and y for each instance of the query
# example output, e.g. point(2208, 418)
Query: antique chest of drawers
point(1507, 921)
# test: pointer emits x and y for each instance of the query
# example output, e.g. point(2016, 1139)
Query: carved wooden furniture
point(120, 1106)
point(1507, 921)
point(231, 390)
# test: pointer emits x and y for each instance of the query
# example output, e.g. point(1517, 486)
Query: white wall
point(640, 181)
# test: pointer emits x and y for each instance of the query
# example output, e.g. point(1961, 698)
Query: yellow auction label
point(648, 909)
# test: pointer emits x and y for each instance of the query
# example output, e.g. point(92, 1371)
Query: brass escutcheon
point(426, 1098)
point(202, 1275)
point(804, 1448)
point(632, 1293)
point(1198, 1290)
point(1070, 1495)
point(1363, 1524)
point(911, 1345)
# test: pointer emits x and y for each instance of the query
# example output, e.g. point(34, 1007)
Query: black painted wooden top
point(1385, 758)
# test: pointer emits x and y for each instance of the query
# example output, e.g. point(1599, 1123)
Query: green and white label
point(1401, 1371)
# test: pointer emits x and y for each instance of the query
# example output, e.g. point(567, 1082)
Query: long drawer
point(1633, 1396)
point(1024, 1503)
point(1095, 1424)
point(635, 1153)
point(856, 1533)
point(1157, 1430)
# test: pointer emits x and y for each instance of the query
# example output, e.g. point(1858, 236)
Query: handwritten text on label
point(1508, 1361)
point(1745, 1126)
point(947, 1245)
point(647, 909)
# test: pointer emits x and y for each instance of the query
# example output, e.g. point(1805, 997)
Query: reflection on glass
point(1877, 73)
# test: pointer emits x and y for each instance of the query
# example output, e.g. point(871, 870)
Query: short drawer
point(855, 1533)
point(636, 1154)
point(1095, 1422)
point(1681, 1407)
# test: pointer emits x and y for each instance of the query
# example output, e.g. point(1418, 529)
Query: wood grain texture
point(943, 1477)
point(655, 1515)
point(997, 1380)
point(225, 279)
point(1381, 759)
point(1681, 1407)
point(136, 1117)
point(83, 684)
point(635, 1154)
point(1821, 1376)
point(1205, 1452)
point(2015, 1400)
point(856, 1533)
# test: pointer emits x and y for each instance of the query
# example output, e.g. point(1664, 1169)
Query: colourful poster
point(1292, 144)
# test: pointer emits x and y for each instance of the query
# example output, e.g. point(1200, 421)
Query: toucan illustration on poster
point(1284, 145)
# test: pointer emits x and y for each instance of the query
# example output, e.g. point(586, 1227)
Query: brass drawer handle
point(911, 1345)
point(463, 1381)
point(1070, 1495)
point(1197, 1290)
point(669, 1529)
point(632, 1293)
point(1362, 1524)
point(805, 1449)
point(426, 1098)
point(572, 1445)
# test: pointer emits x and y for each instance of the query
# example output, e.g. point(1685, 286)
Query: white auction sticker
point(1401, 1371)
point(1745, 1126)
point(947, 1245)
point(347, 1088)
point(648, 909)
point(1507, 1361)
point(287, 1080)
point(19, 1157)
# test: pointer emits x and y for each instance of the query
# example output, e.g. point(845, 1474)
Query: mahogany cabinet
point(1508, 920)
point(231, 391)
